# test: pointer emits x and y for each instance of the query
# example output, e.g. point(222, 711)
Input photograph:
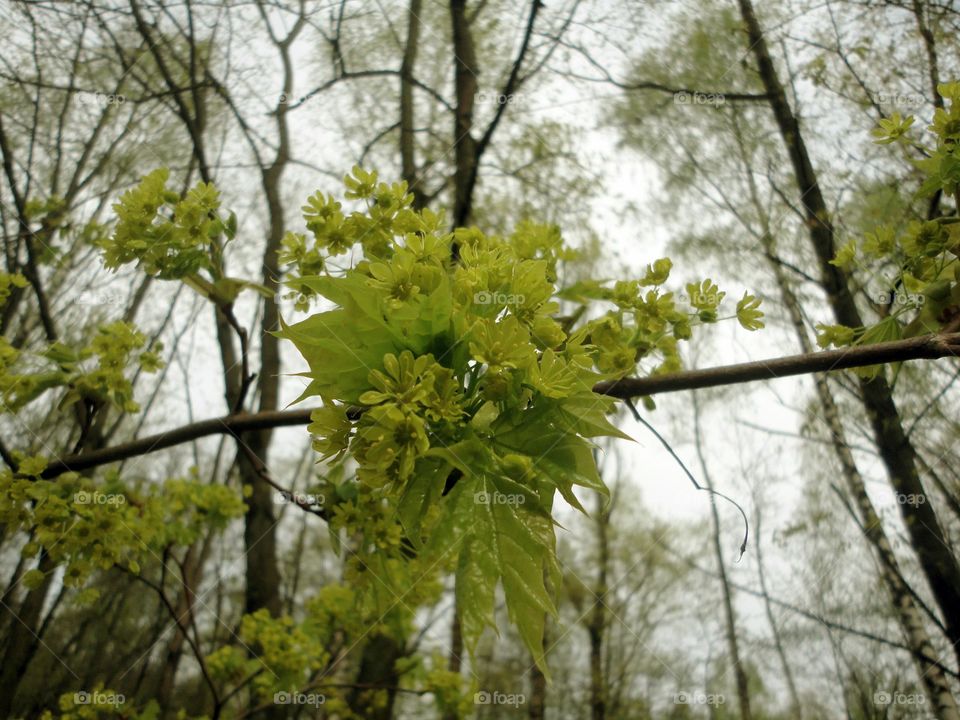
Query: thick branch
point(407, 147)
point(928, 347)
point(924, 347)
point(229, 424)
point(465, 84)
point(469, 151)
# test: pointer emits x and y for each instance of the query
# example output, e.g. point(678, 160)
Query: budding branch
point(928, 347)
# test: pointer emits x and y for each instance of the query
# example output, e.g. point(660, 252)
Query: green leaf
point(423, 324)
point(560, 458)
point(891, 129)
point(419, 495)
point(748, 314)
point(230, 226)
point(887, 329)
point(341, 347)
point(950, 173)
point(62, 354)
point(658, 272)
point(586, 415)
point(846, 255)
point(501, 538)
point(360, 184)
point(837, 335)
point(884, 331)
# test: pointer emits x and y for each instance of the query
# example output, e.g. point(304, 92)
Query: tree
point(457, 381)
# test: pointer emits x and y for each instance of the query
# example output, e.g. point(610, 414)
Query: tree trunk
point(455, 657)
point(537, 704)
point(375, 692)
point(730, 620)
point(597, 624)
point(22, 640)
point(192, 572)
point(927, 538)
point(408, 161)
point(465, 82)
point(908, 615)
point(933, 70)
point(796, 708)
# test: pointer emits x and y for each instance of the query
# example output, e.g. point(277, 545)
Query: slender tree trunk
point(23, 640)
point(927, 538)
point(930, 47)
point(465, 82)
point(375, 693)
point(730, 619)
point(596, 626)
point(537, 703)
point(192, 568)
point(933, 70)
point(408, 162)
point(259, 536)
point(796, 708)
point(455, 656)
point(908, 615)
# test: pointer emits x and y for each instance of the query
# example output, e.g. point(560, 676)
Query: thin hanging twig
point(698, 486)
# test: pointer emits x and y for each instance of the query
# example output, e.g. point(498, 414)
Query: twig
point(746, 523)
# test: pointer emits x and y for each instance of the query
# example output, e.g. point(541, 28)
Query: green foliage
point(446, 372)
point(169, 236)
point(87, 526)
point(922, 294)
point(443, 360)
point(891, 129)
point(748, 313)
point(9, 281)
point(176, 238)
point(100, 703)
point(96, 373)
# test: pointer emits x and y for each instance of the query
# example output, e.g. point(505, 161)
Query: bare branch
point(925, 346)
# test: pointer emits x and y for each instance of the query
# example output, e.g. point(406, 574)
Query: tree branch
point(928, 347)
point(924, 347)
point(234, 424)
